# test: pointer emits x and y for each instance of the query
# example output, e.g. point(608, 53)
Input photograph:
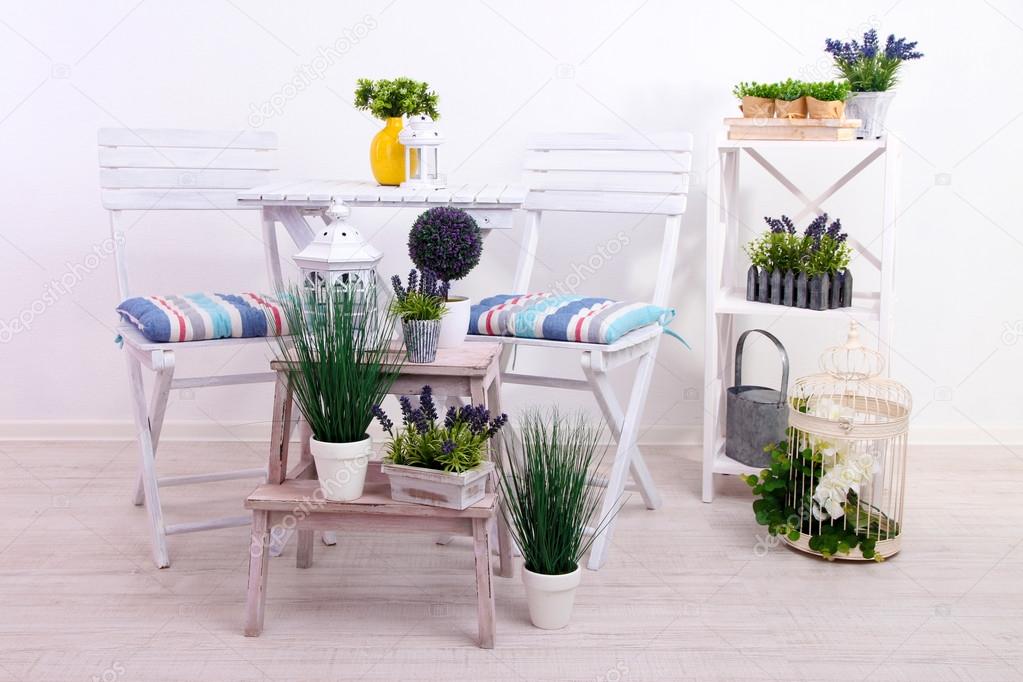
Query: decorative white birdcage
point(848, 429)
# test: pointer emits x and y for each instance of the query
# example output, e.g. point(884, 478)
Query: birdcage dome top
point(850, 397)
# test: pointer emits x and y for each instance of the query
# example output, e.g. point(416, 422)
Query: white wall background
point(502, 70)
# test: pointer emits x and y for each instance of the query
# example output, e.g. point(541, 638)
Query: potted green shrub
point(872, 72)
point(441, 464)
point(447, 242)
point(420, 306)
point(790, 101)
point(548, 502)
point(390, 101)
point(342, 367)
point(826, 99)
point(757, 99)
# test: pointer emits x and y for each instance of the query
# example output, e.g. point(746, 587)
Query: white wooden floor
point(692, 591)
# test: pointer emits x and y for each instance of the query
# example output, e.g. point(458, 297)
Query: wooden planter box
point(437, 488)
point(821, 129)
point(798, 291)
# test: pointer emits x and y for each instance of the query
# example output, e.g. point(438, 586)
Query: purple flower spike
point(426, 403)
point(384, 420)
point(406, 409)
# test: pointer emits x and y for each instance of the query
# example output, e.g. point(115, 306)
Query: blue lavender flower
point(834, 229)
point(406, 410)
point(419, 421)
point(426, 403)
point(384, 420)
point(900, 49)
point(816, 228)
point(413, 276)
point(870, 45)
point(399, 291)
point(450, 417)
point(447, 447)
point(496, 425)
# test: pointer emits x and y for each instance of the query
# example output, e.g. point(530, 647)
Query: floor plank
point(691, 591)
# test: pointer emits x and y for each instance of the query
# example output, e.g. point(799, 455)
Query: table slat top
point(363, 193)
point(303, 495)
point(466, 360)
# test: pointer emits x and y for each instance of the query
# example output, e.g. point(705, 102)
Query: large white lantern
point(339, 256)
point(421, 139)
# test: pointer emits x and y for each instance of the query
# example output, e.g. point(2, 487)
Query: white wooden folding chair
point(628, 174)
point(155, 170)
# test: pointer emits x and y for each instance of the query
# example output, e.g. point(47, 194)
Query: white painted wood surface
point(726, 270)
point(362, 193)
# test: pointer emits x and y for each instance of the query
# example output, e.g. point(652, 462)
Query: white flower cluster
point(844, 472)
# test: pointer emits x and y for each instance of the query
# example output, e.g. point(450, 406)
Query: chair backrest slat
point(168, 169)
point(609, 173)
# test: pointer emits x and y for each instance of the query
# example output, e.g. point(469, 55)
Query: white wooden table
point(291, 203)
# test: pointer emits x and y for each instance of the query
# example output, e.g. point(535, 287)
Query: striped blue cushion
point(586, 319)
point(204, 316)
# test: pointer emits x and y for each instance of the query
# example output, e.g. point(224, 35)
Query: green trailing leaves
point(784, 505)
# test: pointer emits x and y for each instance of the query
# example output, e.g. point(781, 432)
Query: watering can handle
point(781, 350)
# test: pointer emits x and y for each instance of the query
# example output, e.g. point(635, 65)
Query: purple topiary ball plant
point(445, 241)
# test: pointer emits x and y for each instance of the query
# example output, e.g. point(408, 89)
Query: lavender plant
point(866, 66)
point(822, 248)
point(455, 445)
point(422, 299)
point(445, 241)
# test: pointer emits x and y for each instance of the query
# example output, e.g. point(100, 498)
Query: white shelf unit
point(726, 267)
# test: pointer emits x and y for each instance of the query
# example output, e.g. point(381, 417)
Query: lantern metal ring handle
point(781, 351)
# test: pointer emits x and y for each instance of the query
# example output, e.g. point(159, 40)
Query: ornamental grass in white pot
point(439, 463)
point(341, 368)
point(543, 478)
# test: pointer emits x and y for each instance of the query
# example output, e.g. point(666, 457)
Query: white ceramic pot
point(872, 110)
point(341, 467)
point(550, 597)
point(455, 324)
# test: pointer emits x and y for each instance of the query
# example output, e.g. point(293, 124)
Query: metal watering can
point(756, 416)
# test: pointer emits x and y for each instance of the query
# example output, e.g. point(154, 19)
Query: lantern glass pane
point(415, 168)
point(430, 170)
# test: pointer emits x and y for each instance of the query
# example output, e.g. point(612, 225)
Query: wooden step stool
point(293, 499)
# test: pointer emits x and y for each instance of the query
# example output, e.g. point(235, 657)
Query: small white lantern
point(421, 139)
point(339, 256)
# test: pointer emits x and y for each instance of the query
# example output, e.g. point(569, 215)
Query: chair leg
point(620, 467)
point(304, 555)
point(157, 411)
point(484, 582)
point(613, 415)
point(147, 461)
point(259, 564)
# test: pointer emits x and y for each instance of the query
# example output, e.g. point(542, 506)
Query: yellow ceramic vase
point(387, 155)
